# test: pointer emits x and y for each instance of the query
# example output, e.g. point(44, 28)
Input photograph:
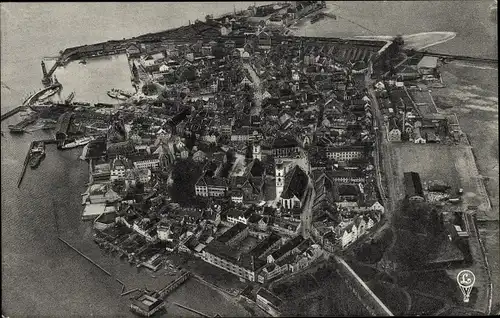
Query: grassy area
point(436, 283)
point(422, 305)
point(372, 252)
point(367, 273)
point(391, 295)
point(320, 293)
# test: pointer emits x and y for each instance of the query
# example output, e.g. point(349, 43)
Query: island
point(277, 168)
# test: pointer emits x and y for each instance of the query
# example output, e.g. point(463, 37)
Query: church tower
point(280, 177)
point(256, 151)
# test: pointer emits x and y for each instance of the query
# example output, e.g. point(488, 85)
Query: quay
point(12, 112)
point(85, 256)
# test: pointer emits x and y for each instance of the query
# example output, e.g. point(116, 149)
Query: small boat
point(84, 62)
point(78, 142)
point(118, 94)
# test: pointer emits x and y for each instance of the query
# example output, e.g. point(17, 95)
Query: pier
point(12, 112)
point(165, 291)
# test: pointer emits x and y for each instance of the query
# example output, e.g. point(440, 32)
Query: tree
point(149, 89)
point(185, 174)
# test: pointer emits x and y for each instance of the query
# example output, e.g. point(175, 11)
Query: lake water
point(41, 276)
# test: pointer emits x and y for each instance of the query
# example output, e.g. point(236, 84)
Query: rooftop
point(295, 184)
point(232, 232)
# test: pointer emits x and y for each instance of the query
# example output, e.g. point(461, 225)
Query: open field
point(472, 93)
point(452, 164)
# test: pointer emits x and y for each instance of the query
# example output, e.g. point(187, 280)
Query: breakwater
point(85, 256)
point(192, 310)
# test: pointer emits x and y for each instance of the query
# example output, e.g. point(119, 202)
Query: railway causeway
point(12, 112)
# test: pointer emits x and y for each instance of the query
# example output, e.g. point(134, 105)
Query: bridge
point(451, 57)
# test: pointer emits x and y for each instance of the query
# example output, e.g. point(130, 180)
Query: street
point(307, 215)
point(257, 88)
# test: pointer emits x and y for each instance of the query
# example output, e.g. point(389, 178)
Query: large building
point(285, 147)
point(413, 187)
point(294, 188)
point(224, 253)
point(345, 153)
point(211, 187)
